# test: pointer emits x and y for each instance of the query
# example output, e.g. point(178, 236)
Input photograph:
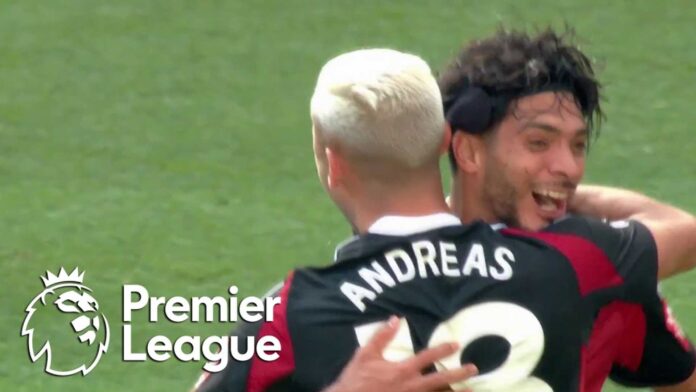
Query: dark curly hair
point(489, 75)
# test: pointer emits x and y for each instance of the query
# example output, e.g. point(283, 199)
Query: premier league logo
point(65, 315)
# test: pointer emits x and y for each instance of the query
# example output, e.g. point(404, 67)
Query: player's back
point(513, 304)
point(520, 304)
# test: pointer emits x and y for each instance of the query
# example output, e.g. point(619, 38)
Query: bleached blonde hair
point(380, 103)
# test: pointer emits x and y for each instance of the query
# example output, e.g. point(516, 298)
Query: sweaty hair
point(380, 105)
point(488, 76)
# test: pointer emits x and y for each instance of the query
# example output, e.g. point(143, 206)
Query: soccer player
point(519, 305)
point(522, 109)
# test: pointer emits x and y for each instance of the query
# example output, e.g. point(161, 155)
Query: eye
point(538, 144)
point(580, 147)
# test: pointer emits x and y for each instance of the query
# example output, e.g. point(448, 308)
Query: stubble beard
point(500, 196)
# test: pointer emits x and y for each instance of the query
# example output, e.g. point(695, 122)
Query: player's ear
point(446, 139)
point(468, 151)
point(336, 168)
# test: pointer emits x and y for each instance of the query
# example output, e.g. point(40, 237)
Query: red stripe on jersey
point(583, 369)
point(592, 266)
point(674, 328)
point(618, 338)
point(264, 374)
point(632, 336)
point(601, 350)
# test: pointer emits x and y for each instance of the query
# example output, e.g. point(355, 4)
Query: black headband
point(472, 110)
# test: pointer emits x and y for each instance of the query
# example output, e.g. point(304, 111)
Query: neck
point(417, 198)
point(467, 204)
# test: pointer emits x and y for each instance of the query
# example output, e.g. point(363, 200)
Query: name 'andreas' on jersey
point(430, 259)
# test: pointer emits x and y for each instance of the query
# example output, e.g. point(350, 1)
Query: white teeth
point(552, 194)
point(550, 200)
point(558, 195)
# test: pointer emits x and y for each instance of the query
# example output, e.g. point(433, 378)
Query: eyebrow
point(550, 128)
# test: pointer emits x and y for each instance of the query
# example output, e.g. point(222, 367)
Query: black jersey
point(636, 344)
point(521, 305)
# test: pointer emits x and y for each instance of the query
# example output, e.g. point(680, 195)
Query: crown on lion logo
point(50, 279)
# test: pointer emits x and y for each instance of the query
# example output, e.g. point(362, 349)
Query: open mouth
point(552, 202)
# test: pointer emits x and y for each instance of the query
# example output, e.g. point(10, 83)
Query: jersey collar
point(395, 226)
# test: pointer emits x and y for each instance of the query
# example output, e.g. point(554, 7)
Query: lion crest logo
point(64, 324)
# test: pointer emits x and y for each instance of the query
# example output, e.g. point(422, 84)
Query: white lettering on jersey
point(375, 276)
point(357, 294)
point(503, 257)
point(400, 268)
point(449, 260)
point(475, 260)
point(425, 256)
point(409, 270)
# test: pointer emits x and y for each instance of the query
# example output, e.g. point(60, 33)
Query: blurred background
point(167, 143)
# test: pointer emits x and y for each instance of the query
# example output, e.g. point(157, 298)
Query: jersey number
point(512, 322)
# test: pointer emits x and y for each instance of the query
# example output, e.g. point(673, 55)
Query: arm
point(666, 359)
point(246, 375)
point(673, 229)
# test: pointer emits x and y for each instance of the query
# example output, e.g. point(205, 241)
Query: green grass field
point(166, 143)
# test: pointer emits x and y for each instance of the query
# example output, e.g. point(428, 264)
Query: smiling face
point(534, 161)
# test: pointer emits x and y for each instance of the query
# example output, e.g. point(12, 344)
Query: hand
point(368, 371)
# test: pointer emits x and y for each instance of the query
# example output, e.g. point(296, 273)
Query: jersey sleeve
point(233, 378)
point(630, 248)
point(653, 350)
point(257, 375)
point(668, 357)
